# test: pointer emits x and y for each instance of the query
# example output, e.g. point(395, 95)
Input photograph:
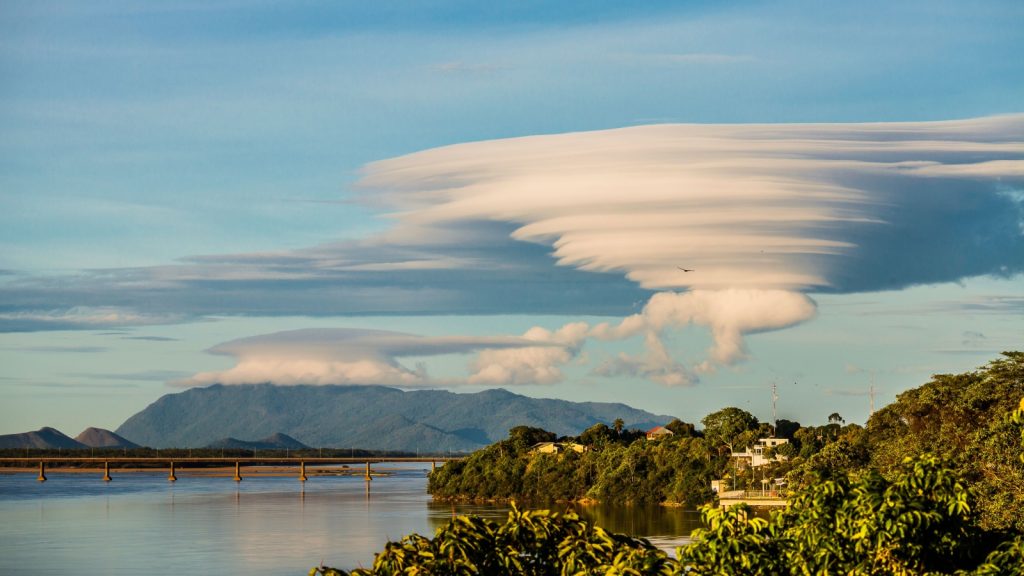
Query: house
point(755, 456)
point(557, 447)
point(659, 432)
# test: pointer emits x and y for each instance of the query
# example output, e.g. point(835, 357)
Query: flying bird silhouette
point(684, 269)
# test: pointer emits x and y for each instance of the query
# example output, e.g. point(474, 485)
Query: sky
point(447, 194)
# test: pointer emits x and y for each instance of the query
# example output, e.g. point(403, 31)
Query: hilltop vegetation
point(961, 419)
point(921, 521)
point(617, 467)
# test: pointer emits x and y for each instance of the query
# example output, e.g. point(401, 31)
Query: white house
point(755, 455)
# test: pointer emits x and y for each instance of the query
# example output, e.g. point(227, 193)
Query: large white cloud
point(744, 206)
point(590, 222)
point(758, 215)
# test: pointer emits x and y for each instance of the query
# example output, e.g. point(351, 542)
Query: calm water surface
point(141, 524)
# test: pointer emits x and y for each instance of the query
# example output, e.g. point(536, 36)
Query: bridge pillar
point(368, 478)
point(172, 477)
point(302, 471)
point(238, 472)
point(106, 471)
point(42, 472)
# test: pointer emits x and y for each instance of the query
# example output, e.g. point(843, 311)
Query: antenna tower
point(775, 420)
point(872, 393)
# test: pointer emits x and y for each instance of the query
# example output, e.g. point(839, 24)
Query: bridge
point(174, 465)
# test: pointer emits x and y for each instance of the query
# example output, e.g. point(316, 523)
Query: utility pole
point(871, 393)
point(775, 420)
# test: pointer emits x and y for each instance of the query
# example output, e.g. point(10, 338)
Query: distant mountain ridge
point(368, 417)
point(100, 438)
point(45, 437)
point(274, 442)
point(49, 438)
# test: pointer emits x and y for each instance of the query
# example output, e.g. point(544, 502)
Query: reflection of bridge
point(149, 464)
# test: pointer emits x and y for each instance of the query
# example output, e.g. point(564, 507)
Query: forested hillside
point(922, 520)
point(963, 420)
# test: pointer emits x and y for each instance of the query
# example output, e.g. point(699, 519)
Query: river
point(142, 524)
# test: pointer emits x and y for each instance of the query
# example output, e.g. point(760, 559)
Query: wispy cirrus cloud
point(80, 318)
point(686, 58)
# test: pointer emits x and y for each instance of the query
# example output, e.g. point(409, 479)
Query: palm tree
point(618, 424)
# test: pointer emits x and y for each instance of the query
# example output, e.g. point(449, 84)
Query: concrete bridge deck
point(175, 464)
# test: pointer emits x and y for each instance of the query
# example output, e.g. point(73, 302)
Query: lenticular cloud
point(816, 207)
point(734, 223)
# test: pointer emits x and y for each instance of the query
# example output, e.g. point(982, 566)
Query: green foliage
point(533, 543)
point(964, 420)
point(921, 521)
point(614, 469)
point(682, 429)
point(728, 427)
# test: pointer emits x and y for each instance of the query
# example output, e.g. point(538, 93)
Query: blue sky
point(181, 176)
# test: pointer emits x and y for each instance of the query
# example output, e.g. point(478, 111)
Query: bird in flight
point(684, 269)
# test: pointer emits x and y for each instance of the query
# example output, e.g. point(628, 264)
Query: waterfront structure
point(557, 447)
point(659, 432)
point(758, 455)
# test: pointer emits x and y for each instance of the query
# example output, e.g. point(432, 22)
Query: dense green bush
point(863, 506)
point(921, 522)
point(614, 469)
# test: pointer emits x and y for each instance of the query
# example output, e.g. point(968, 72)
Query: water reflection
point(212, 525)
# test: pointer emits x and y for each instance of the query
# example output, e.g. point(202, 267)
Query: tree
point(596, 436)
point(681, 429)
point(962, 419)
point(786, 428)
point(835, 418)
point(524, 437)
point(919, 522)
point(726, 425)
point(618, 424)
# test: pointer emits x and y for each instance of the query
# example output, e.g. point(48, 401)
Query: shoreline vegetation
point(933, 484)
point(922, 521)
point(962, 419)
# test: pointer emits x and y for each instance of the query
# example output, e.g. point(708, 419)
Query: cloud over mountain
point(592, 223)
point(341, 356)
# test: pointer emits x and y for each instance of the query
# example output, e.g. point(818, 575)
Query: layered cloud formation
point(827, 207)
point(340, 356)
point(357, 356)
point(593, 222)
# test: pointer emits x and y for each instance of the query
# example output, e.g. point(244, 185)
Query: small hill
point(277, 441)
point(43, 438)
point(100, 438)
point(368, 417)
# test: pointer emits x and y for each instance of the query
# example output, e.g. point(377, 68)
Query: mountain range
point(368, 417)
point(47, 438)
point(277, 441)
